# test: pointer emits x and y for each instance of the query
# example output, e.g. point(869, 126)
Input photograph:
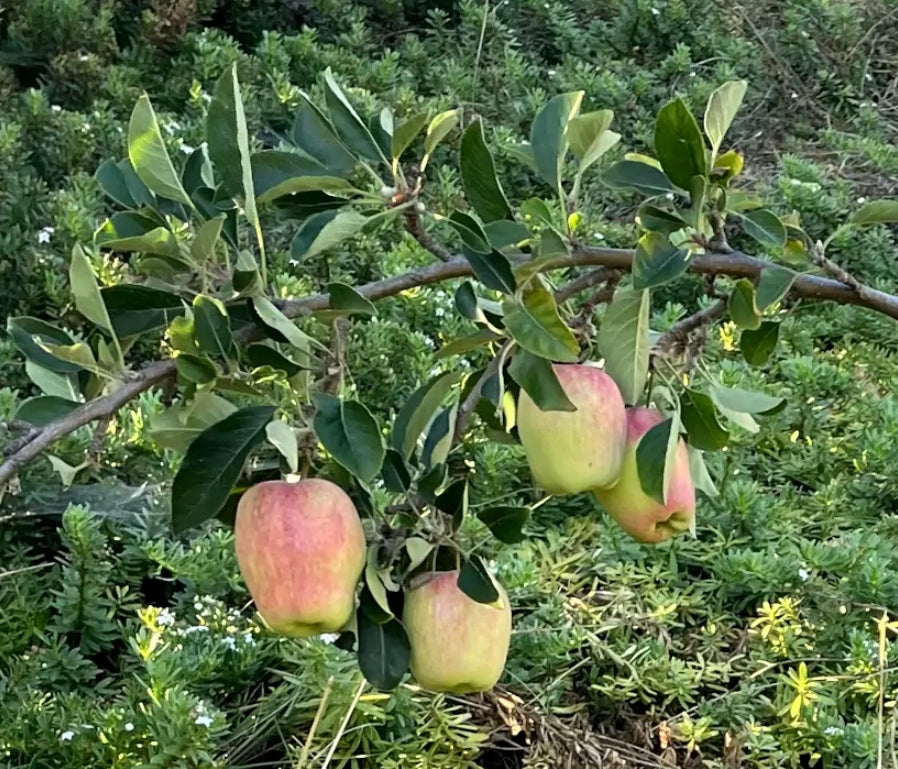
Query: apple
point(458, 645)
point(636, 512)
point(570, 452)
point(301, 550)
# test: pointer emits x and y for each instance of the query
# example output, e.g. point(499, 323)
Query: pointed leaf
point(655, 454)
point(44, 409)
point(773, 284)
point(744, 401)
point(440, 127)
point(438, 442)
point(701, 478)
point(535, 325)
point(212, 326)
point(877, 212)
point(23, 330)
point(136, 309)
point(349, 126)
point(476, 582)
point(195, 368)
point(325, 230)
point(502, 233)
point(283, 438)
point(758, 345)
point(277, 174)
point(742, 307)
point(699, 417)
point(259, 355)
point(395, 473)
point(384, 652)
point(419, 409)
point(406, 133)
point(148, 155)
point(679, 144)
point(548, 135)
point(722, 108)
point(348, 301)
point(657, 261)
point(273, 318)
point(624, 341)
point(213, 464)
point(537, 378)
point(454, 502)
point(590, 138)
point(765, 227)
point(177, 426)
point(418, 549)
point(478, 175)
point(642, 177)
point(350, 434)
point(112, 180)
point(315, 136)
point(506, 523)
point(88, 300)
point(656, 219)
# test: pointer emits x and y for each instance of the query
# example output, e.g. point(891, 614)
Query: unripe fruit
point(643, 518)
point(458, 645)
point(301, 550)
point(570, 452)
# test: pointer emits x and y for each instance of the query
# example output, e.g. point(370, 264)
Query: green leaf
point(538, 379)
point(590, 138)
point(88, 300)
point(405, 134)
point(478, 176)
point(283, 438)
point(259, 355)
point(419, 409)
point(765, 227)
point(656, 219)
point(642, 177)
point(212, 326)
point(877, 212)
point(350, 434)
point(348, 301)
point(49, 382)
point(657, 261)
point(376, 588)
point(699, 416)
point(130, 231)
point(197, 171)
point(213, 464)
point(757, 346)
point(476, 582)
point(536, 326)
point(148, 155)
point(742, 307)
point(67, 472)
point(679, 144)
point(454, 502)
point(137, 309)
point(384, 652)
point(112, 181)
point(744, 401)
point(538, 211)
point(548, 135)
point(698, 470)
point(655, 455)
point(228, 142)
point(438, 442)
point(506, 522)
point(43, 409)
point(273, 318)
point(502, 234)
point(177, 426)
point(23, 330)
point(466, 344)
point(774, 283)
point(722, 108)
point(395, 473)
point(277, 174)
point(440, 127)
point(349, 126)
point(315, 136)
point(195, 368)
point(202, 249)
point(418, 549)
point(624, 341)
point(325, 230)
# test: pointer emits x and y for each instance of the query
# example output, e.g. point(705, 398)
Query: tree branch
point(734, 264)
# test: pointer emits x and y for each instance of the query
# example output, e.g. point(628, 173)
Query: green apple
point(570, 452)
point(301, 550)
point(458, 645)
point(643, 518)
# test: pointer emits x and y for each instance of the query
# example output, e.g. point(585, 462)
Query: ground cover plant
point(375, 245)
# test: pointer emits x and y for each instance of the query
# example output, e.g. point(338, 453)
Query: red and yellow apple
point(570, 452)
point(642, 517)
point(458, 645)
point(301, 550)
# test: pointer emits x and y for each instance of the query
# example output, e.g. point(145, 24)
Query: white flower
point(656, 12)
point(83, 57)
point(249, 640)
point(56, 108)
point(551, 73)
point(165, 618)
point(804, 575)
point(66, 736)
point(831, 731)
point(129, 727)
point(45, 234)
point(329, 638)
point(198, 606)
point(186, 149)
point(203, 721)
point(230, 642)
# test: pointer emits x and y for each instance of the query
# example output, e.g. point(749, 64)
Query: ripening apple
point(643, 518)
point(570, 452)
point(301, 550)
point(458, 645)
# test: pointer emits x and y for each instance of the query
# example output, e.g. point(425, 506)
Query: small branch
point(676, 339)
point(415, 226)
point(466, 409)
point(585, 281)
point(96, 443)
point(818, 257)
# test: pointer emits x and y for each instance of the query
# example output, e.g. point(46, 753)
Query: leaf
point(476, 582)
point(765, 227)
point(419, 409)
point(537, 378)
point(493, 270)
point(212, 465)
point(283, 438)
point(112, 181)
point(315, 136)
point(642, 177)
point(22, 331)
point(655, 455)
point(273, 318)
point(88, 300)
point(454, 502)
point(395, 473)
point(137, 309)
point(742, 307)
point(774, 283)
point(679, 144)
point(349, 126)
point(466, 344)
point(877, 212)
point(506, 522)
point(43, 409)
point(130, 231)
point(259, 355)
point(376, 588)
point(418, 549)
point(212, 327)
point(405, 134)
point(501, 233)
point(548, 135)
point(195, 368)
point(66, 471)
point(384, 652)
point(228, 143)
point(623, 341)
point(757, 346)
point(277, 174)
point(350, 434)
point(590, 138)
point(348, 301)
point(197, 171)
point(325, 230)
point(698, 470)
point(722, 108)
point(656, 219)
point(49, 382)
point(535, 325)
point(148, 155)
point(177, 426)
point(699, 417)
point(440, 127)
point(478, 176)
point(744, 401)
point(657, 261)
point(439, 437)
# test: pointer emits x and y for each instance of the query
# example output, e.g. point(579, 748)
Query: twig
point(585, 281)
point(818, 257)
point(677, 337)
point(466, 409)
point(415, 226)
point(99, 436)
